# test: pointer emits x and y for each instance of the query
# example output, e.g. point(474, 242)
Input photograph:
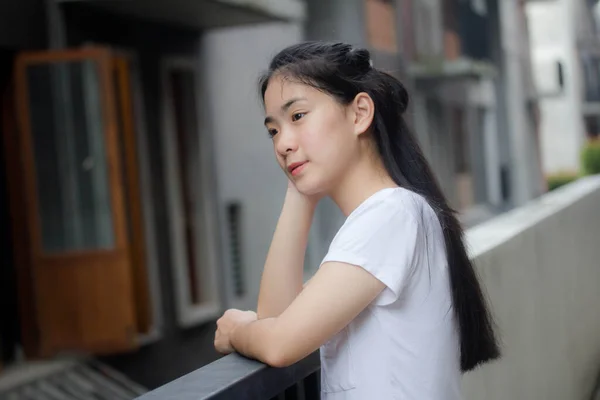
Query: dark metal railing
point(236, 377)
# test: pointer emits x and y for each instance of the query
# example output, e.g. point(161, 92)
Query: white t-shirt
point(405, 345)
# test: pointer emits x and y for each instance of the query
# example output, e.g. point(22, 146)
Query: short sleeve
point(383, 239)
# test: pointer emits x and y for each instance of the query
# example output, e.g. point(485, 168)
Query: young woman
point(395, 307)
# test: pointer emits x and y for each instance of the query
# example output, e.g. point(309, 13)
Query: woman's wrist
point(297, 199)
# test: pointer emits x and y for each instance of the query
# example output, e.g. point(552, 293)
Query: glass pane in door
point(70, 156)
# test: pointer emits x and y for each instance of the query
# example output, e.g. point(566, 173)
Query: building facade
point(565, 41)
point(141, 189)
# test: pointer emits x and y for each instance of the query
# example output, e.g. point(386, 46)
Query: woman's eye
point(297, 116)
point(272, 132)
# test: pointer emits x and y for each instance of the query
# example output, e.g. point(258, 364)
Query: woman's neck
point(360, 183)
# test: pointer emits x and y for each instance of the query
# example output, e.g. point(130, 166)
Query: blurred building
point(141, 191)
point(565, 39)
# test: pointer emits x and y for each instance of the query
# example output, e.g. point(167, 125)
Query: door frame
point(207, 240)
point(146, 184)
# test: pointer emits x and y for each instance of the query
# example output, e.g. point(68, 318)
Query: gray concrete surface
point(540, 266)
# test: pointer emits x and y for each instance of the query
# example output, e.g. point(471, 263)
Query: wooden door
point(83, 285)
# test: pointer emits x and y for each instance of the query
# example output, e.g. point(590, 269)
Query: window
point(70, 156)
point(592, 126)
point(591, 77)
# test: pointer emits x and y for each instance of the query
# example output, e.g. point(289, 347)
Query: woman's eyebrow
point(285, 107)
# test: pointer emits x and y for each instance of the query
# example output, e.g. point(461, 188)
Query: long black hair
point(342, 71)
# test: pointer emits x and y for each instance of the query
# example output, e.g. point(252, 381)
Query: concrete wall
point(336, 20)
point(540, 266)
point(246, 168)
point(553, 39)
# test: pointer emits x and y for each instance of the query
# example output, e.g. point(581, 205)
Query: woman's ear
point(363, 112)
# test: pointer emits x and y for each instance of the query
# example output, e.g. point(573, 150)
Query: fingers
point(222, 343)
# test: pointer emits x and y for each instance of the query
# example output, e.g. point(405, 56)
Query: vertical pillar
point(514, 59)
point(336, 20)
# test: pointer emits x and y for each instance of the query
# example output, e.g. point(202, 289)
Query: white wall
point(540, 266)
point(232, 60)
point(553, 38)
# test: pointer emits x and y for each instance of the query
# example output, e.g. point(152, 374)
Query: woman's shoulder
point(385, 235)
point(391, 202)
point(391, 211)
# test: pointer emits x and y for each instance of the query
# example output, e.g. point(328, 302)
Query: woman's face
point(313, 135)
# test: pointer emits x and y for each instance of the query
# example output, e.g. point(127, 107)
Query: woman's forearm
point(284, 266)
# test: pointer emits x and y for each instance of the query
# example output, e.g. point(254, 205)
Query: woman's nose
point(287, 143)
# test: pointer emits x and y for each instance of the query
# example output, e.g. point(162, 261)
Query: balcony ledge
point(465, 68)
point(202, 14)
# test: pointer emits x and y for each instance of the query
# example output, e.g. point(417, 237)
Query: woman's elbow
point(279, 356)
point(277, 359)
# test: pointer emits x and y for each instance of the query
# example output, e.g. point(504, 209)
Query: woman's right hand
point(295, 194)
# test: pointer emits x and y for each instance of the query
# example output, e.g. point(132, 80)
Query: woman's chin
point(309, 190)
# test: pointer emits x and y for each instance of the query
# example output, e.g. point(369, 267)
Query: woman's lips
point(296, 168)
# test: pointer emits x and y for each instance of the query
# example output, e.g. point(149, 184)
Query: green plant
point(590, 158)
point(560, 179)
